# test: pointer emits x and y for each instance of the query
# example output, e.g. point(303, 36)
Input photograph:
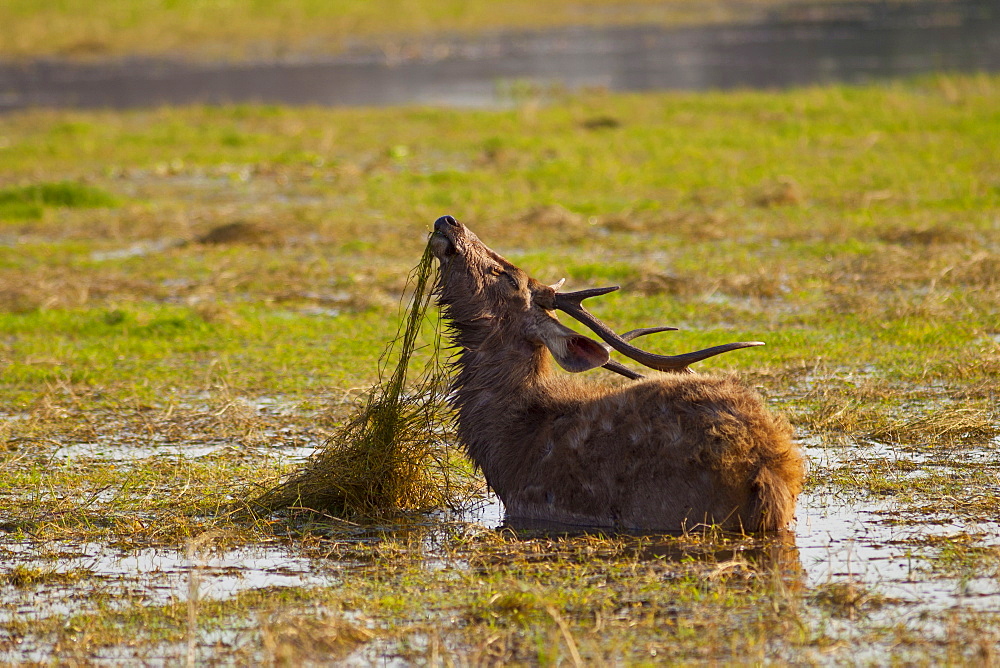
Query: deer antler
point(623, 370)
point(572, 304)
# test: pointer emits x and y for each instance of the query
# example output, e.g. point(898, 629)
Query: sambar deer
point(668, 452)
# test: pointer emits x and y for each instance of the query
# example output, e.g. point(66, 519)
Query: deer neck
point(504, 376)
point(493, 391)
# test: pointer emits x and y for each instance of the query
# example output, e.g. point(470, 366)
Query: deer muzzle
point(443, 238)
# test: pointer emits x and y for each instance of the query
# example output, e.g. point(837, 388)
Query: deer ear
point(582, 354)
point(574, 352)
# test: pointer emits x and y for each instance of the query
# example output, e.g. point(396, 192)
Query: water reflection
point(860, 542)
point(75, 572)
point(834, 540)
point(772, 555)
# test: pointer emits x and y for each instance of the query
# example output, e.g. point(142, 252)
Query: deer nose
point(445, 223)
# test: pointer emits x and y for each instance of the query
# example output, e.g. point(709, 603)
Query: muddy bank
point(797, 45)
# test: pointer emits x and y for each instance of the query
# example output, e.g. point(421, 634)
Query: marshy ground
point(191, 301)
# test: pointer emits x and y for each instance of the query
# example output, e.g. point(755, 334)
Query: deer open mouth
point(442, 239)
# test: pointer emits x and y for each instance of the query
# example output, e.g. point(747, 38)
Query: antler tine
point(623, 370)
point(643, 331)
point(578, 296)
point(571, 303)
point(619, 368)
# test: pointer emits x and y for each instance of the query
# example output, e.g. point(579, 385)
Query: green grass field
point(224, 280)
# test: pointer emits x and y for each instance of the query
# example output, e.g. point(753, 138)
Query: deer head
point(490, 301)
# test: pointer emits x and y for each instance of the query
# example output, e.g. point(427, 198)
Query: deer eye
point(497, 271)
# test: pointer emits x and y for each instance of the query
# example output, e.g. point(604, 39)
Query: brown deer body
point(668, 452)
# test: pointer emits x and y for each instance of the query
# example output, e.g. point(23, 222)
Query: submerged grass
point(394, 453)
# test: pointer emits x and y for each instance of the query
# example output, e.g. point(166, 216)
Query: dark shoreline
point(795, 46)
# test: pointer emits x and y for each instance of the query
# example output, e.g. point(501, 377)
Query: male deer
point(667, 452)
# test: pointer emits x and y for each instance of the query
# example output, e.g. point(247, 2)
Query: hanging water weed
point(393, 454)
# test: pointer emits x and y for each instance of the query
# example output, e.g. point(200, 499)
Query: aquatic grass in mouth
point(393, 454)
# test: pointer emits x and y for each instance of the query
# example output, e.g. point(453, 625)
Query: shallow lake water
point(837, 539)
point(864, 542)
point(152, 576)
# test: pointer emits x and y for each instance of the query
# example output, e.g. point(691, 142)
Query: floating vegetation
point(393, 454)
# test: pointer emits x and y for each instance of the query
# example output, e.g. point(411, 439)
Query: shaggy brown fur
point(667, 452)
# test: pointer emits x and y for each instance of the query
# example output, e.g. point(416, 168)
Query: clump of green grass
point(29, 202)
point(392, 454)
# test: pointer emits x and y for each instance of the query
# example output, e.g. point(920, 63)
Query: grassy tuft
point(847, 598)
point(290, 639)
point(945, 426)
point(393, 454)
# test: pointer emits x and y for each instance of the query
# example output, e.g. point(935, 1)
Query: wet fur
point(668, 452)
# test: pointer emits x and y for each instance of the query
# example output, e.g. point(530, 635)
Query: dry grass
point(872, 408)
point(848, 598)
point(393, 454)
point(292, 638)
point(941, 427)
point(855, 407)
